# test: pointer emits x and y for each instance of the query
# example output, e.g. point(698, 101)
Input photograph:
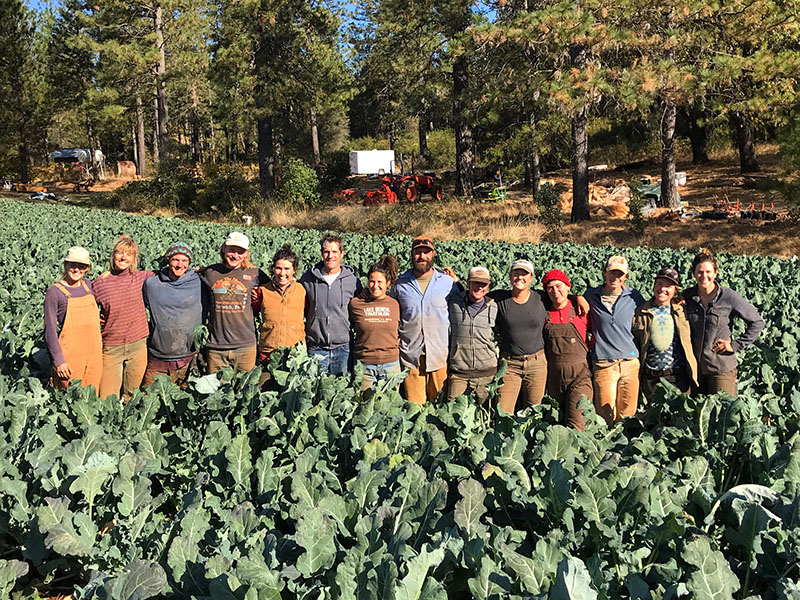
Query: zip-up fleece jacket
point(282, 316)
point(613, 339)
point(708, 324)
point(472, 347)
point(643, 319)
point(327, 315)
point(424, 320)
point(176, 308)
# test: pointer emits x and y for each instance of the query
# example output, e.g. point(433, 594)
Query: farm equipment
point(27, 187)
point(760, 215)
point(83, 185)
point(409, 187)
point(383, 195)
point(394, 188)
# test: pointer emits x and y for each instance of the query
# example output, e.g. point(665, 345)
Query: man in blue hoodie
point(330, 286)
point(177, 301)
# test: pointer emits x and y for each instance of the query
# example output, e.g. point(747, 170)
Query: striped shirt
point(122, 309)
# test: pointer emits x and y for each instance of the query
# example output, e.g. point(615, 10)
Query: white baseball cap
point(78, 254)
point(236, 238)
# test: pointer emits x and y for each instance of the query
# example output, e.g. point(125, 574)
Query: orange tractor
point(410, 187)
point(393, 189)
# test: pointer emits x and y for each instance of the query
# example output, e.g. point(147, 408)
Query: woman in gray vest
point(472, 361)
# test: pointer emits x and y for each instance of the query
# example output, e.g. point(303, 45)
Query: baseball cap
point(617, 263)
point(523, 264)
point(422, 241)
point(179, 248)
point(78, 254)
point(235, 238)
point(479, 274)
point(669, 273)
point(555, 275)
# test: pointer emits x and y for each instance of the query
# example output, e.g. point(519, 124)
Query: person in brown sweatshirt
point(375, 318)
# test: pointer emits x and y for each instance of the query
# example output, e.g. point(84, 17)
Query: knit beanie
point(178, 248)
point(557, 275)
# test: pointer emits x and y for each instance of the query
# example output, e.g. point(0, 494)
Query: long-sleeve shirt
point(176, 308)
point(55, 311)
point(122, 306)
point(707, 323)
point(424, 320)
point(613, 336)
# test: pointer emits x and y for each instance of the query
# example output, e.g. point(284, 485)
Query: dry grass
point(514, 220)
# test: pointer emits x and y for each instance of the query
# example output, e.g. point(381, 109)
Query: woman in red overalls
point(566, 347)
point(72, 324)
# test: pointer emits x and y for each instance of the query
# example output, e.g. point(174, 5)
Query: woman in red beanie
point(566, 348)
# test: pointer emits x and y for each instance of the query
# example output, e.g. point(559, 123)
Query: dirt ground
point(514, 219)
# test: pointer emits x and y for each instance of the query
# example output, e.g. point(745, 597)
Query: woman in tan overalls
point(566, 349)
point(72, 324)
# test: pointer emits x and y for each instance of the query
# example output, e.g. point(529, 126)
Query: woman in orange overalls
point(72, 324)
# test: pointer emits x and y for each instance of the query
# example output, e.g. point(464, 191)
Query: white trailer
point(371, 162)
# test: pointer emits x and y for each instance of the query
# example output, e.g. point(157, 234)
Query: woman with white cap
point(231, 325)
point(520, 323)
point(615, 355)
point(72, 324)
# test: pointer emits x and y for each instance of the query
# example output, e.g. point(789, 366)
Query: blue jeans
point(373, 373)
point(335, 361)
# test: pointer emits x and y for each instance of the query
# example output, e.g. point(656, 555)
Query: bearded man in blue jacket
point(422, 293)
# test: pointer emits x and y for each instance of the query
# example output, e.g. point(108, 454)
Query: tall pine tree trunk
point(24, 159)
point(161, 85)
point(266, 155)
point(463, 130)
point(669, 191)
point(422, 132)
point(745, 140)
point(156, 144)
point(698, 136)
point(315, 139)
point(580, 148)
point(141, 151)
point(534, 168)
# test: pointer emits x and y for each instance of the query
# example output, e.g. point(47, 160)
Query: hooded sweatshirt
point(176, 308)
point(327, 316)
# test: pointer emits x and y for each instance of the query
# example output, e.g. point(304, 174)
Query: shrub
point(226, 188)
point(549, 204)
point(637, 223)
point(299, 185)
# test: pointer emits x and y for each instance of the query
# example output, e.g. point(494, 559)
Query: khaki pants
point(719, 382)
point(459, 385)
point(527, 375)
point(241, 359)
point(123, 367)
point(422, 385)
point(616, 389)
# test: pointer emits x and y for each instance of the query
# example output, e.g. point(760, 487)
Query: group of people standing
point(604, 345)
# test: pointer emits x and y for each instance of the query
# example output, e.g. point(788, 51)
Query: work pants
point(616, 389)
point(123, 368)
point(422, 385)
point(526, 376)
point(567, 383)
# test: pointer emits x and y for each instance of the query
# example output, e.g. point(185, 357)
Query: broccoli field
point(320, 490)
